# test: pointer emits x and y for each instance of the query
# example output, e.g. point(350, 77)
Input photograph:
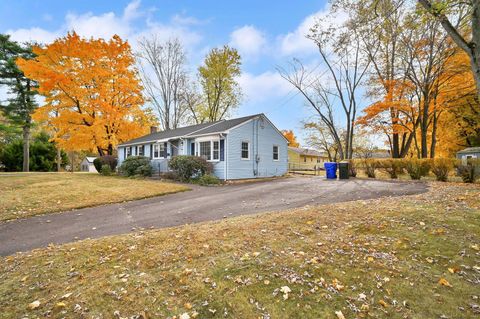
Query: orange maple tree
point(452, 95)
point(292, 139)
point(93, 97)
point(455, 107)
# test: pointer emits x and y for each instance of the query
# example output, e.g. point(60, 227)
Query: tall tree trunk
point(424, 127)
point(434, 134)
point(26, 147)
point(407, 142)
point(395, 145)
point(59, 159)
point(72, 161)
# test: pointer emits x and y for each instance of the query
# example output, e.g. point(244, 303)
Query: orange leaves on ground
point(93, 94)
point(444, 282)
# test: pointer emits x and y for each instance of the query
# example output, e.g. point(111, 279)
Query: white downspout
point(225, 157)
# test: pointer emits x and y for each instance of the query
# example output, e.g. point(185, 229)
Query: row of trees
point(91, 94)
point(177, 97)
point(396, 54)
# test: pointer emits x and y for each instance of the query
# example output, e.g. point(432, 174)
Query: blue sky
point(267, 34)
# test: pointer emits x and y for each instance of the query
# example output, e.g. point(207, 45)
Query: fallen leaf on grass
point(339, 314)
point(285, 290)
point(383, 303)
point(444, 282)
point(59, 305)
point(65, 296)
point(184, 316)
point(34, 305)
point(453, 270)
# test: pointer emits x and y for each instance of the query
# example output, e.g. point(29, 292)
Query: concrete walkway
point(200, 204)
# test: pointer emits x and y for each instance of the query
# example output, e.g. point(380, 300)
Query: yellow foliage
point(93, 96)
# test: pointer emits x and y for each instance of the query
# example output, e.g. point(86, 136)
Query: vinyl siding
point(261, 144)
point(262, 138)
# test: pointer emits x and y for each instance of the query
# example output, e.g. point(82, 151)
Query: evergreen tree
point(43, 155)
point(21, 103)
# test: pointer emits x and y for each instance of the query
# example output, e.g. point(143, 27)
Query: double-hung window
point(275, 152)
point(163, 150)
point(205, 150)
point(208, 150)
point(159, 150)
point(129, 151)
point(216, 150)
point(141, 150)
point(245, 150)
point(156, 151)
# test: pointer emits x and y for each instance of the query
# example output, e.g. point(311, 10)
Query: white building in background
point(87, 165)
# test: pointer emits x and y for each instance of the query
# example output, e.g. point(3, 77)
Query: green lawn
point(405, 257)
point(28, 194)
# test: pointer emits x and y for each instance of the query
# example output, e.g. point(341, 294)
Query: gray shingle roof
point(470, 150)
point(222, 126)
point(192, 130)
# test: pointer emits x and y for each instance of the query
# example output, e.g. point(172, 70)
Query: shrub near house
point(136, 166)
point(109, 160)
point(188, 167)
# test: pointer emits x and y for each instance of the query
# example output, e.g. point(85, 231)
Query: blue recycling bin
point(331, 170)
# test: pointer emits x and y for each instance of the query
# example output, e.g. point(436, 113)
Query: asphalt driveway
point(200, 204)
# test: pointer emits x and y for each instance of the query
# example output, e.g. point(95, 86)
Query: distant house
point(305, 158)
point(87, 165)
point(246, 147)
point(375, 153)
point(469, 153)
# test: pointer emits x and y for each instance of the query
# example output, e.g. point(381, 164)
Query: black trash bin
point(343, 170)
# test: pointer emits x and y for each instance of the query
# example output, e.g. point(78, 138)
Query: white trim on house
point(212, 149)
point(160, 145)
point(225, 155)
point(466, 157)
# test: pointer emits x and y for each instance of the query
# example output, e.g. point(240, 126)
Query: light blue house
point(246, 147)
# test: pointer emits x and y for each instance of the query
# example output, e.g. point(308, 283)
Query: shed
point(87, 165)
point(469, 153)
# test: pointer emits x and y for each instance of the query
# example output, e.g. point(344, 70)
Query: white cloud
point(263, 86)
point(101, 26)
point(33, 35)
point(128, 25)
point(182, 19)
point(162, 31)
point(248, 40)
point(296, 42)
point(132, 11)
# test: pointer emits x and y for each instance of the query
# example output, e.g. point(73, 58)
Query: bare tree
point(319, 137)
point(163, 74)
point(466, 38)
point(341, 54)
point(381, 33)
point(427, 51)
point(193, 100)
